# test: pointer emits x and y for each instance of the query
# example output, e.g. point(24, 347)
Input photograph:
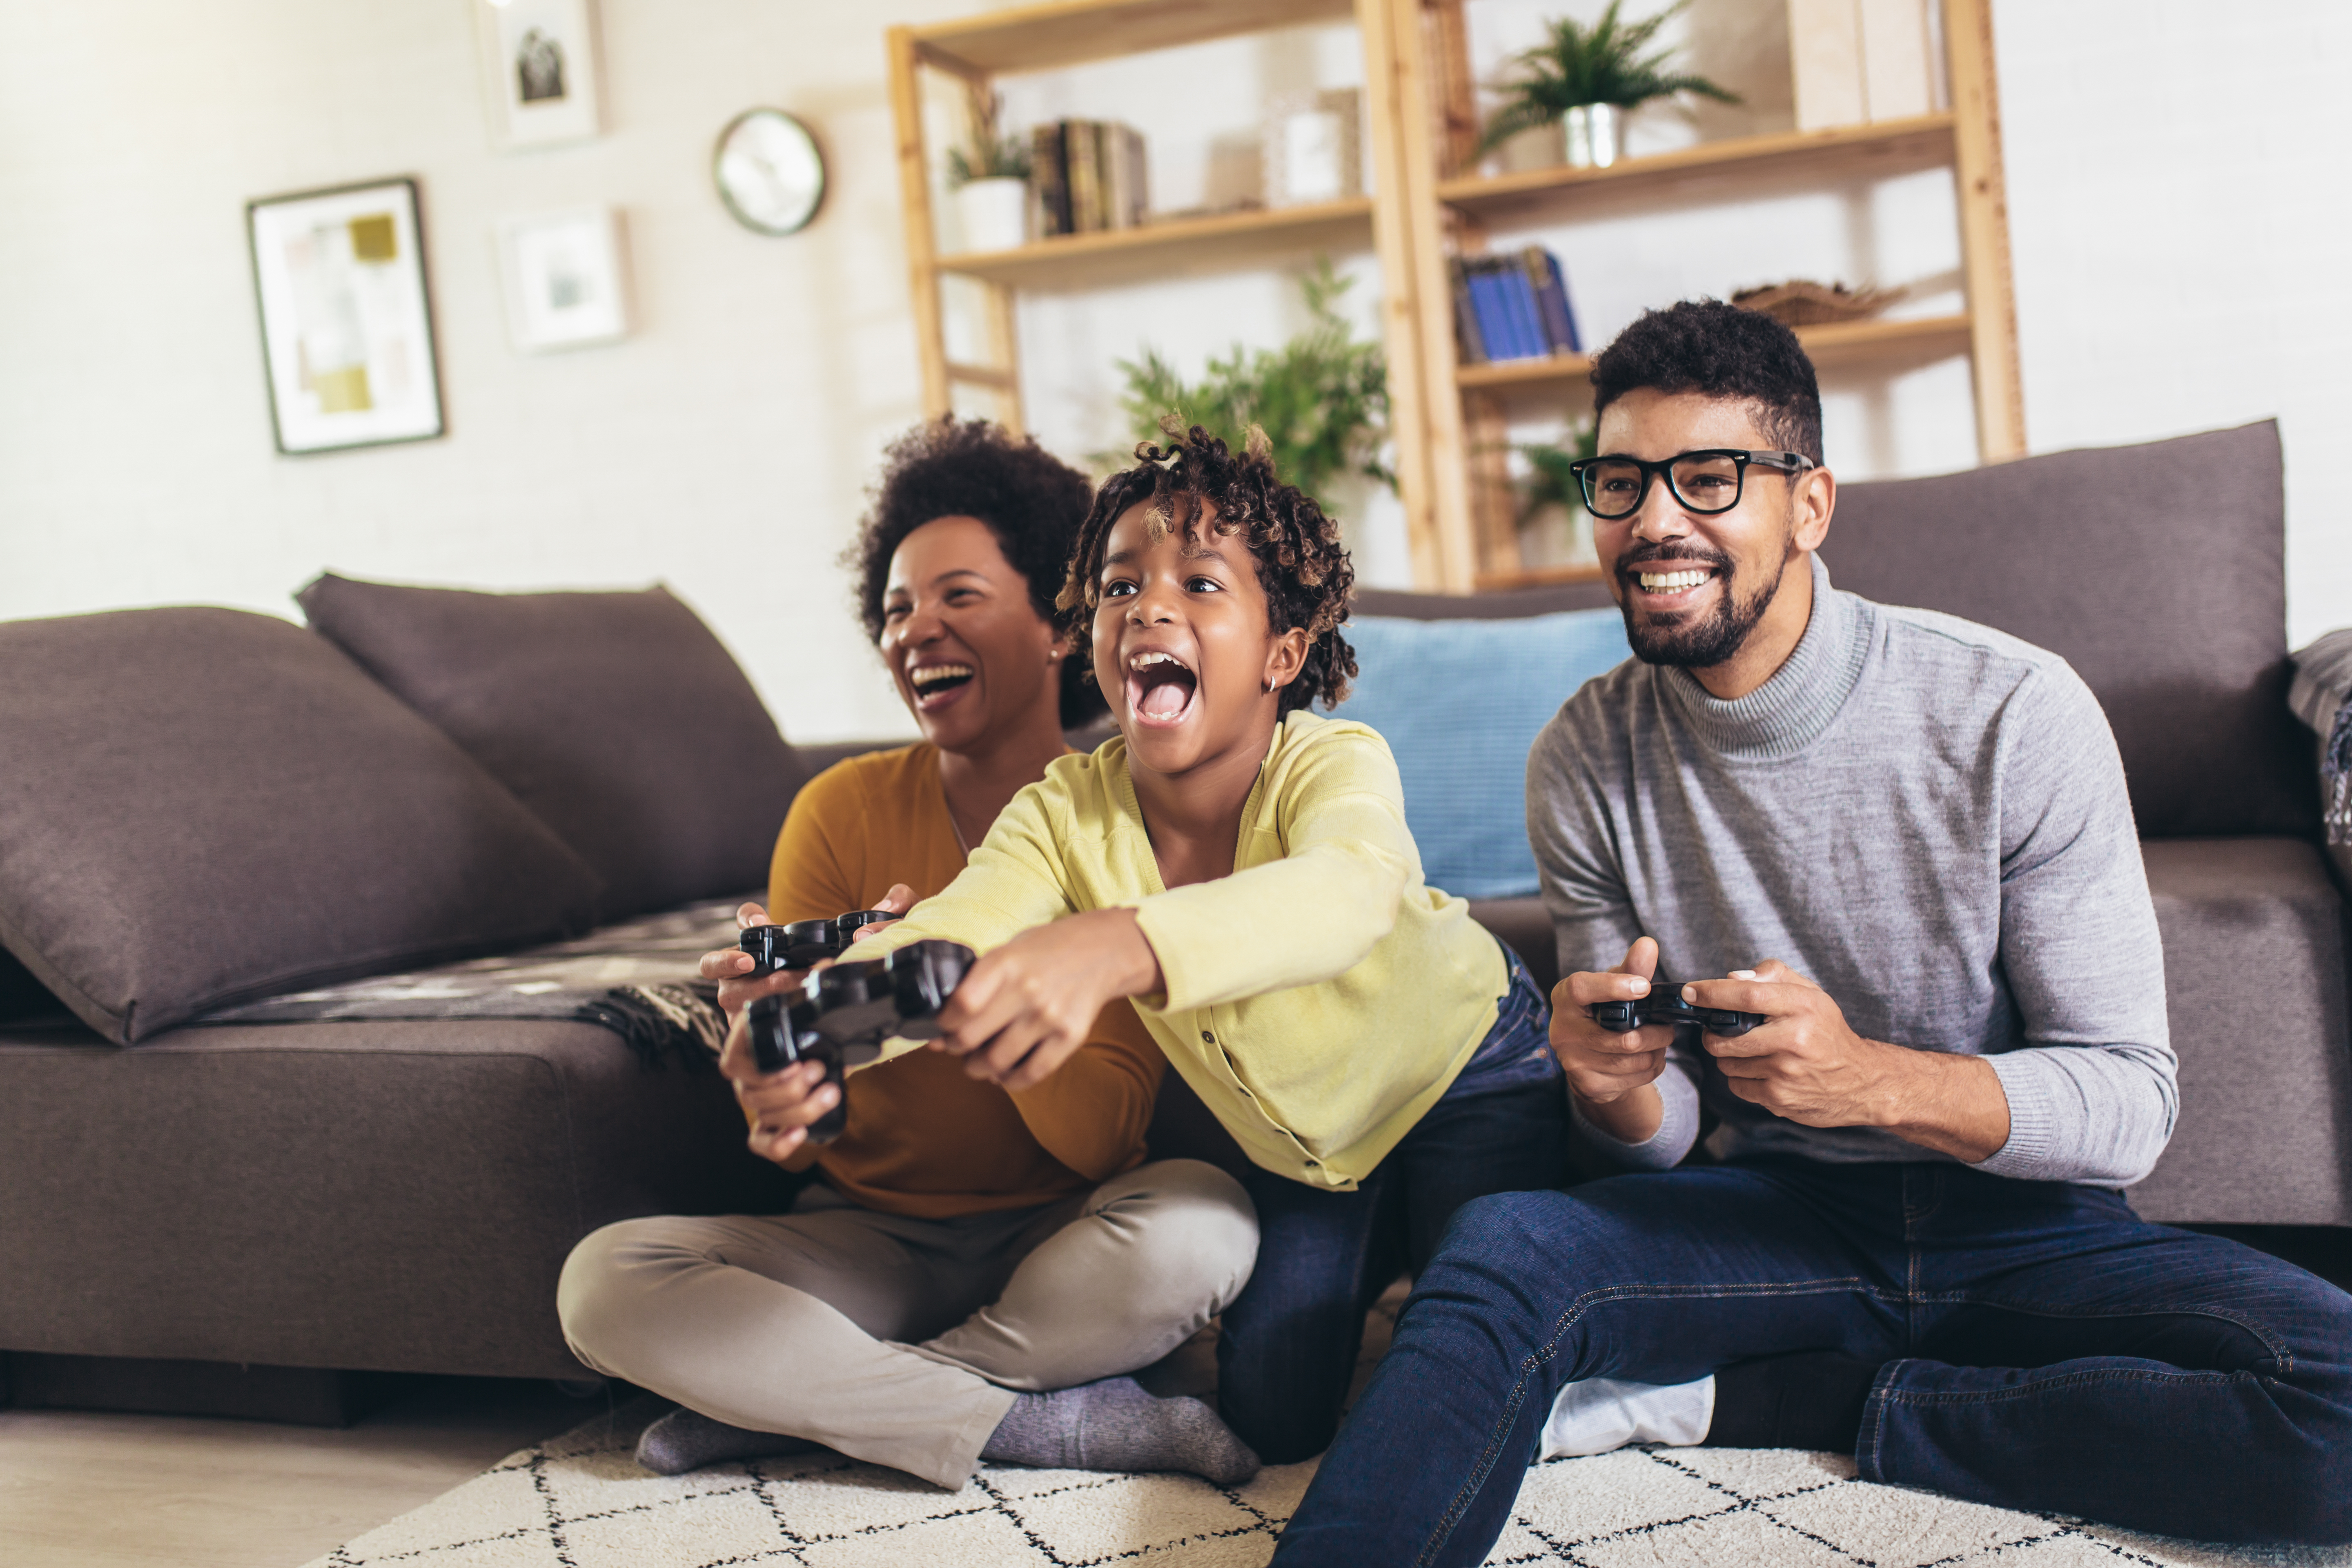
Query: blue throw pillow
point(1460, 703)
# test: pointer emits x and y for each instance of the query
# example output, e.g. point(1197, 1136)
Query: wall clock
point(770, 172)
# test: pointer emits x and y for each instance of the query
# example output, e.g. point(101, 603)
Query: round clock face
point(770, 172)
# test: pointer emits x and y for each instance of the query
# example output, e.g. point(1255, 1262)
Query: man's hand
point(781, 1106)
point(1025, 1008)
point(1804, 1063)
point(1611, 1075)
point(731, 966)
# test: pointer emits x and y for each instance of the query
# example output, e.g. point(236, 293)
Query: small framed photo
point(564, 279)
point(346, 325)
point(539, 69)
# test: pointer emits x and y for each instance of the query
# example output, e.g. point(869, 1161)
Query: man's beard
point(1699, 640)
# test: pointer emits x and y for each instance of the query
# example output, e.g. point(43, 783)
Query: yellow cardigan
point(1319, 1000)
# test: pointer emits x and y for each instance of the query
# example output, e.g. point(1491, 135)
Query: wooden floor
point(85, 1490)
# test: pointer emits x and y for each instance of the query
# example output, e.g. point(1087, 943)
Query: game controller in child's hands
point(844, 1013)
point(1665, 1005)
point(804, 943)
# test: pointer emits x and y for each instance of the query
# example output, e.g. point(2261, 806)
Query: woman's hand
point(731, 966)
point(781, 1106)
point(1025, 1008)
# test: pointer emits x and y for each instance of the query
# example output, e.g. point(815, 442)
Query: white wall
point(2179, 247)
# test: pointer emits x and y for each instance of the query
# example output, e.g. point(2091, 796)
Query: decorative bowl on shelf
point(1802, 302)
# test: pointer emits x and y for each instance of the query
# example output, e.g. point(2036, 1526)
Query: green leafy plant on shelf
point(1322, 398)
point(1604, 63)
point(989, 154)
point(1549, 482)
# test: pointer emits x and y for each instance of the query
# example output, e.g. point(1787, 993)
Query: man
point(1903, 840)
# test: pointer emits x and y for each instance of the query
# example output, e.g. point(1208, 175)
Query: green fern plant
point(1600, 64)
point(1322, 398)
point(1548, 480)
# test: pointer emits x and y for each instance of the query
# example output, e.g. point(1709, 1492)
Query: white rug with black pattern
point(580, 1502)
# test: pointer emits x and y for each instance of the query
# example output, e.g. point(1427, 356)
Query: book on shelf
point(1513, 306)
point(1089, 176)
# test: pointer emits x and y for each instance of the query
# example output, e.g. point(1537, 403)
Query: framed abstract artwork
point(346, 324)
point(562, 272)
point(539, 69)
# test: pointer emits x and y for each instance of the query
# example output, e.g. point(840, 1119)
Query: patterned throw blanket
point(636, 978)
point(2321, 696)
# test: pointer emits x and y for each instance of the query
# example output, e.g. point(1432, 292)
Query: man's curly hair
point(1031, 500)
point(1717, 351)
point(1301, 564)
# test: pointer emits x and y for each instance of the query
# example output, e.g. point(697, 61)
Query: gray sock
point(1114, 1424)
point(687, 1440)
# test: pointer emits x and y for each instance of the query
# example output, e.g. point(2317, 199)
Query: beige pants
point(899, 1341)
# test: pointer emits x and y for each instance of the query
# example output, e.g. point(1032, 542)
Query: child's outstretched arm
point(1344, 859)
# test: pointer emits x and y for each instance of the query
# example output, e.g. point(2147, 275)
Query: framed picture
point(564, 279)
point(539, 69)
point(346, 326)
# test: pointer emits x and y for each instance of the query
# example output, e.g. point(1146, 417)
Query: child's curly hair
point(1301, 564)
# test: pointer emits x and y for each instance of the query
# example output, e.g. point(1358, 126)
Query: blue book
point(1494, 312)
point(1523, 316)
point(1551, 298)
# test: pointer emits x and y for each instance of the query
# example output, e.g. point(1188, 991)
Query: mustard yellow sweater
point(1319, 1000)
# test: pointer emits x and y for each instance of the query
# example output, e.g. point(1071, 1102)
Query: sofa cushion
point(1460, 702)
point(2254, 979)
point(616, 717)
point(2156, 571)
point(198, 807)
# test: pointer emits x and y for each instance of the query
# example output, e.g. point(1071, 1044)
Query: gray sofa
point(400, 1196)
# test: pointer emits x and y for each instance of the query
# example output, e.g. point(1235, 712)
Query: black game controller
point(804, 943)
point(1665, 1005)
point(844, 1013)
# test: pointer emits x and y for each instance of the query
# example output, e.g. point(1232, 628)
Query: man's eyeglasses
point(1706, 482)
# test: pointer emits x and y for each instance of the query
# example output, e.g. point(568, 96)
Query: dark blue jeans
point(2044, 1349)
point(1287, 1347)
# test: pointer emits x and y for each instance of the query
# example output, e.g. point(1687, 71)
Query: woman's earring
point(1269, 686)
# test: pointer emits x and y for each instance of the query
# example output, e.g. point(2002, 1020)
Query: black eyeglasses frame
point(1790, 463)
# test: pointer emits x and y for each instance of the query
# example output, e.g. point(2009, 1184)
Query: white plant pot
point(993, 214)
point(1595, 135)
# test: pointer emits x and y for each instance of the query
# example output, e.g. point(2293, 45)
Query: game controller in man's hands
point(844, 1013)
point(1665, 1005)
point(804, 943)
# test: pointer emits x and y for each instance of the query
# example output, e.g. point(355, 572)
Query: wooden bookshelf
point(1427, 205)
point(1218, 242)
point(1450, 207)
point(1910, 338)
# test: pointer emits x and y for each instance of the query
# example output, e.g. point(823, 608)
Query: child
point(1241, 868)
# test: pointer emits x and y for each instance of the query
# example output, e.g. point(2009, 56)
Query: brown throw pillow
point(618, 718)
point(200, 807)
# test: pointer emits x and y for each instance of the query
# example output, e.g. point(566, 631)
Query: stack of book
point(1087, 176)
point(1513, 306)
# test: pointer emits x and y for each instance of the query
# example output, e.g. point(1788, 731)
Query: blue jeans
point(1287, 1347)
point(2044, 1349)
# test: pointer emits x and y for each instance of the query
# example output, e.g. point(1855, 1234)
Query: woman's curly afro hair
point(1031, 500)
point(1301, 564)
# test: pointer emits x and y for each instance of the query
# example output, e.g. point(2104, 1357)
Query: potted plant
point(1550, 484)
point(990, 179)
point(1589, 79)
point(1322, 398)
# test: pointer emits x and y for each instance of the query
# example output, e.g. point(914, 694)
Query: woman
point(967, 1248)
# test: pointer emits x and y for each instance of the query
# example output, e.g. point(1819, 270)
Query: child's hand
point(1025, 1008)
point(781, 1105)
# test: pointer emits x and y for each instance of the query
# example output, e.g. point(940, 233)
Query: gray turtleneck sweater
point(1925, 815)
